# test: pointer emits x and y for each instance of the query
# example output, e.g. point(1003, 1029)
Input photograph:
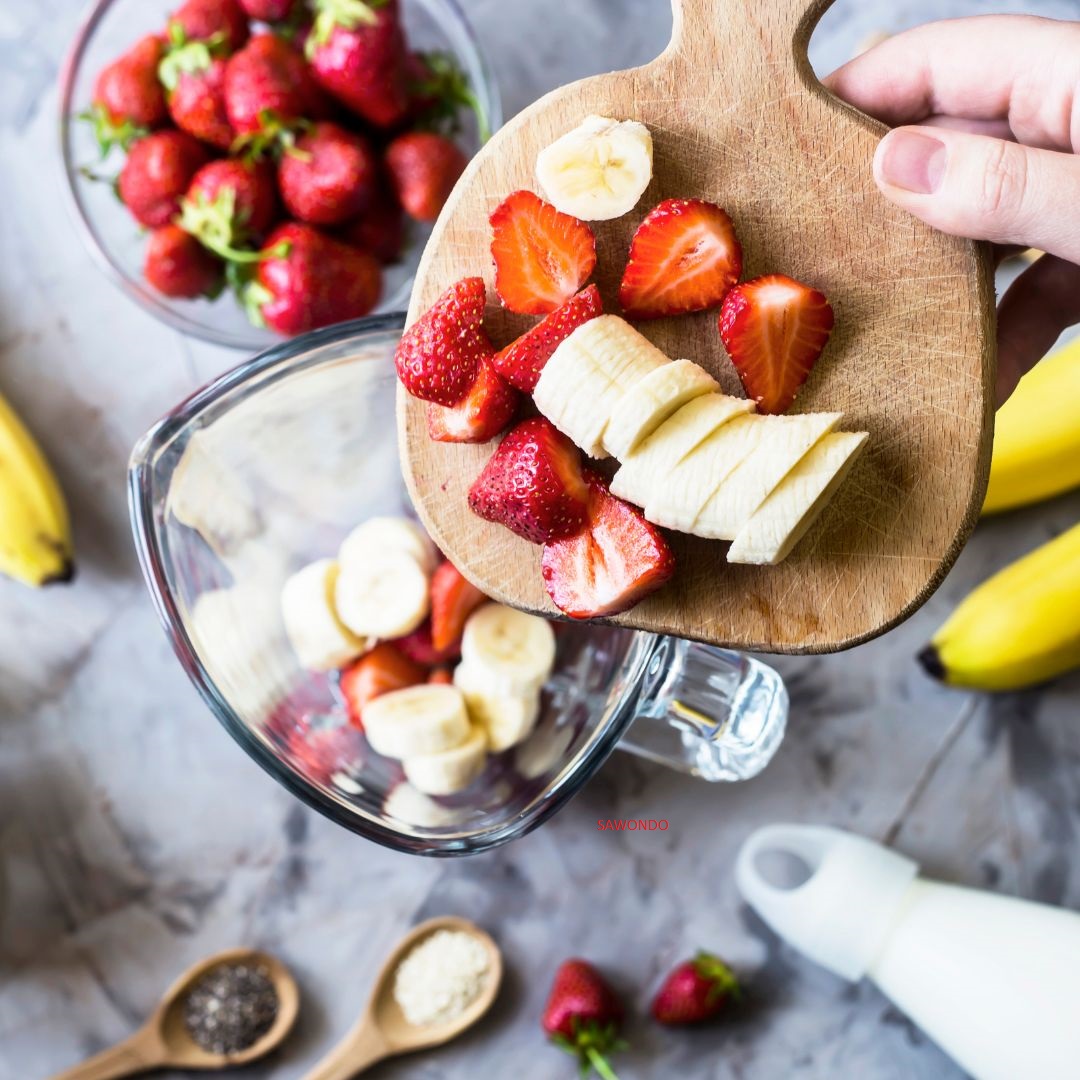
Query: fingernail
point(913, 161)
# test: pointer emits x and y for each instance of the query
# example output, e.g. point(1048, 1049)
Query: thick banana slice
point(381, 535)
point(449, 771)
point(735, 501)
point(515, 651)
point(412, 807)
point(589, 374)
point(383, 596)
point(785, 516)
point(653, 400)
point(322, 642)
point(599, 170)
point(425, 719)
point(507, 718)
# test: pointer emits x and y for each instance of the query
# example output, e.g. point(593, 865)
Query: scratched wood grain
point(738, 118)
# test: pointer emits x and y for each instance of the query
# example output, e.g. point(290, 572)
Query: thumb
point(983, 188)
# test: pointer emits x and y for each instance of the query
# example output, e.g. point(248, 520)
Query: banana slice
point(735, 501)
point(785, 516)
point(383, 596)
point(507, 718)
point(647, 466)
point(322, 642)
point(449, 771)
point(412, 807)
point(588, 376)
point(515, 651)
point(425, 719)
point(651, 401)
point(380, 535)
point(599, 170)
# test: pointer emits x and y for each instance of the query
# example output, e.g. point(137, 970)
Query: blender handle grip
point(714, 713)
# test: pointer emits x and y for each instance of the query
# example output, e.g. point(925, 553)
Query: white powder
point(440, 978)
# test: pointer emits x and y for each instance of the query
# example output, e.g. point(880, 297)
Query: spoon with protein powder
point(227, 1010)
point(441, 978)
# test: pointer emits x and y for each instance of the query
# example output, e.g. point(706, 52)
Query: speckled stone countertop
point(135, 837)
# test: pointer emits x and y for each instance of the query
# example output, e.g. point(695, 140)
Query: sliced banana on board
point(449, 771)
point(589, 375)
point(379, 535)
point(598, 171)
point(785, 516)
point(382, 596)
point(653, 400)
point(515, 651)
point(426, 719)
point(321, 640)
point(508, 718)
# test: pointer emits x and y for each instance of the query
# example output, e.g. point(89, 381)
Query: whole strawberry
point(357, 51)
point(128, 100)
point(194, 82)
point(177, 265)
point(220, 21)
point(439, 356)
point(583, 1016)
point(424, 168)
point(269, 10)
point(156, 174)
point(380, 229)
point(697, 990)
point(267, 85)
point(229, 204)
point(330, 176)
point(306, 279)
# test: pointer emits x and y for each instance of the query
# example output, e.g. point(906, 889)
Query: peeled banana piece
point(598, 171)
point(1020, 628)
point(417, 721)
point(449, 771)
point(507, 718)
point(35, 532)
point(514, 650)
point(321, 640)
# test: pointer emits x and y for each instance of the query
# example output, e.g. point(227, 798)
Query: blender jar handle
point(714, 713)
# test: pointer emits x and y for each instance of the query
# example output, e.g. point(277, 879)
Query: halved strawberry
point(441, 676)
point(420, 648)
point(487, 408)
point(684, 257)
point(438, 358)
point(383, 669)
point(774, 329)
point(617, 560)
point(521, 362)
point(533, 484)
point(542, 257)
point(453, 600)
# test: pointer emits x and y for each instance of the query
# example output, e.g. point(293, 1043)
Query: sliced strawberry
point(487, 409)
point(521, 362)
point(438, 358)
point(419, 647)
point(441, 676)
point(612, 564)
point(542, 257)
point(774, 329)
point(684, 257)
point(533, 484)
point(383, 669)
point(453, 600)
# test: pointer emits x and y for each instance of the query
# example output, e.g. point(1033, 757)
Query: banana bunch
point(35, 534)
point(1037, 440)
point(1020, 628)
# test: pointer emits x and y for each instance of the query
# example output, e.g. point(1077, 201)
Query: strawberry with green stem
point(695, 991)
point(583, 1016)
point(328, 176)
point(211, 20)
point(177, 265)
point(193, 74)
point(157, 173)
point(230, 205)
point(128, 100)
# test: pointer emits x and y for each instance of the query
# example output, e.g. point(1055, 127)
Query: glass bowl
point(114, 238)
point(268, 469)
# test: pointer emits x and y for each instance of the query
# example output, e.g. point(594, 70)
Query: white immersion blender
point(993, 980)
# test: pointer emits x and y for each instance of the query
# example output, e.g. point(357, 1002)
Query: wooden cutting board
point(738, 118)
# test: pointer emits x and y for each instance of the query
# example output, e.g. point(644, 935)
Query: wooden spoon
point(164, 1043)
point(382, 1031)
point(738, 118)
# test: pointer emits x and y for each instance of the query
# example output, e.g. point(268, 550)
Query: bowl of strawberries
point(248, 170)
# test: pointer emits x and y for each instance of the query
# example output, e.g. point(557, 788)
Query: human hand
point(990, 115)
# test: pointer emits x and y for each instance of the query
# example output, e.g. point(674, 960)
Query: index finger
point(1014, 68)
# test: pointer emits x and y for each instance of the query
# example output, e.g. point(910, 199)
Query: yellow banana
point(1018, 629)
point(35, 535)
point(1037, 440)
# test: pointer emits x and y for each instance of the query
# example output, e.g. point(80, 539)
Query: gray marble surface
point(135, 837)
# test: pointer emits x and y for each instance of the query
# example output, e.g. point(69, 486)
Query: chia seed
point(231, 1007)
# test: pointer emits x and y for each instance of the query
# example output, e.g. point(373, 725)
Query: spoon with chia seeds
point(227, 1010)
